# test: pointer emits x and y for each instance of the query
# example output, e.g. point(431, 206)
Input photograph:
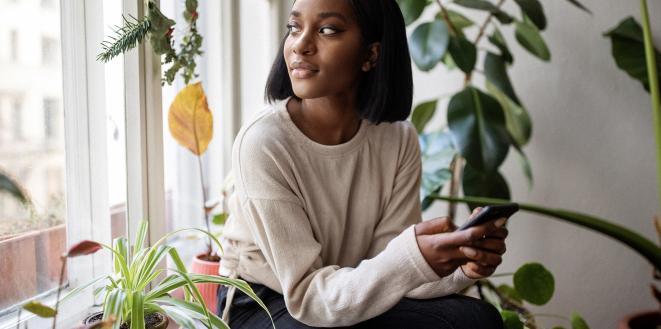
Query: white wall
point(592, 150)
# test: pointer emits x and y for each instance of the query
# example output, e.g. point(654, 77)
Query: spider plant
point(127, 297)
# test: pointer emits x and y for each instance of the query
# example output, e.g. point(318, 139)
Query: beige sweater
point(331, 227)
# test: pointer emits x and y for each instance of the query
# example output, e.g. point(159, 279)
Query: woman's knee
point(469, 312)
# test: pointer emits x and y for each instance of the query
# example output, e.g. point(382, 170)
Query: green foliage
point(529, 37)
point(463, 53)
point(159, 30)
point(511, 320)
point(477, 123)
point(534, 283)
point(577, 322)
point(428, 43)
point(11, 186)
point(127, 298)
point(125, 38)
point(628, 50)
point(39, 309)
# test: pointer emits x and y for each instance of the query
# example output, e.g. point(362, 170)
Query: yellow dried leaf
point(190, 120)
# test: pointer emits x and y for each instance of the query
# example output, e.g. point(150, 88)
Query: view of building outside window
point(32, 236)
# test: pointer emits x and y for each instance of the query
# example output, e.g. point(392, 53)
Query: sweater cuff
point(460, 278)
point(416, 257)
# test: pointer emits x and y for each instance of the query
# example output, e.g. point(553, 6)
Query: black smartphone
point(491, 212)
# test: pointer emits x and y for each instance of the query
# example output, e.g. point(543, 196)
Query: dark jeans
point(449, 312)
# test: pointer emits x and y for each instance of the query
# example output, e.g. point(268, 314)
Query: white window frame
point(85, 131)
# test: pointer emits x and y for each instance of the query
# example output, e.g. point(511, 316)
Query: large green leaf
point(437, 153)
point(534, 283)
point(644, 247)
point(480, 184)
point(529, 37)
point(458, 21)
point(428, 44)
point(534, 10)
point(502, 16)
point(511, 320)
point(497, 39)
point(463, 53)
point(628, 50)
point(12, 187)
point(577, 322)
point(137, 310)
point(477, 124)
point(496, 73)
point(517, 119)
point(509, 292)
point(412, 9)
point(422, 114)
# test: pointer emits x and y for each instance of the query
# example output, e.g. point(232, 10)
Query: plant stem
point(469, 76)
point(500, 275)
point(510, 304)
point(204, 203)
point(18, 318)
point(552, 316)
point(59, 289)
point(654, 87)
point(637, 242)
point(455, 168)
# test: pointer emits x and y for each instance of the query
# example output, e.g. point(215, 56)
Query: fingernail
point(470, 252)
point(500, 222)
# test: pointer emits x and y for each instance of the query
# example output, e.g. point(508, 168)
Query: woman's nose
point(304, 45)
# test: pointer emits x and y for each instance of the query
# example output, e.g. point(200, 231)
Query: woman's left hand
point(486, 253)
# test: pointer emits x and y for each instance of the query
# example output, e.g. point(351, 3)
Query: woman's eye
point(292, 28)
point(327, 30)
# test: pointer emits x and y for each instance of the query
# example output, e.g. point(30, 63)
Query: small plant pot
point(152, 320)
point(641, 320)
point(19, 268)
point(209, 291)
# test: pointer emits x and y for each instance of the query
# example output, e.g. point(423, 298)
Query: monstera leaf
point(190, 120)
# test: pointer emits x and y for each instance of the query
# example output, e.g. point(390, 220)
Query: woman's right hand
point(439, 242)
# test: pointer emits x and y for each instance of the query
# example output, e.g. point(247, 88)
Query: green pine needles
point(158, 29)
point(126, 38)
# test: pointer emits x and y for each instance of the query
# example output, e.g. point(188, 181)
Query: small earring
point(367, 67)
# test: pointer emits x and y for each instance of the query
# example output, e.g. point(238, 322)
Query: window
point(17, 120)
point(51, 121)
point(49, 50)
point(111, 131)
point(13, 45)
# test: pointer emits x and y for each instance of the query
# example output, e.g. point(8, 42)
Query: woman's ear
point(372, 56)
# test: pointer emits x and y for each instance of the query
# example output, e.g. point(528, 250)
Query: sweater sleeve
point(404, 210)
point(317, 295)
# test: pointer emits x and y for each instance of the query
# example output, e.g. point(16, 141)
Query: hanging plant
point(158, 29)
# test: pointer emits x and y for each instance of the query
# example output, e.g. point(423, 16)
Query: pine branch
point(125, 39)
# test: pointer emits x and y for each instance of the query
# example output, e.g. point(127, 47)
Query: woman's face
point(323, 49)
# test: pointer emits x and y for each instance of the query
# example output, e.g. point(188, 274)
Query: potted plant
point(189, 118)
point(127, 302)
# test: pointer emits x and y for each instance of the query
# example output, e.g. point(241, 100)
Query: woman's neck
point(327, 120)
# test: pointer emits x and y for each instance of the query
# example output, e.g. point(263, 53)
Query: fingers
point(482, 257)
point(434, 226)
point(493, 245)
point(482, 271)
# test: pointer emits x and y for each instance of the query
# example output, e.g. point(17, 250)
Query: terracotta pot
point(19, 268)
point(50, 245)
point(641, 320)
point(161, 321)
point(208, 290)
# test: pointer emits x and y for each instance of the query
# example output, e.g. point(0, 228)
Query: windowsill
point(72, 313)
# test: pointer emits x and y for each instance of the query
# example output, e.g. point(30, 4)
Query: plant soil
point(151, 320)
point(210, 258)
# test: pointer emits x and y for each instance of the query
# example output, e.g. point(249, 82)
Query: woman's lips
point(301, 73)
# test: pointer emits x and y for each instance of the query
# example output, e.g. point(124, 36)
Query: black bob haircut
point(385, 93)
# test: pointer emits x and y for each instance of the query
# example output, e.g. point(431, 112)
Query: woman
point(325, 220)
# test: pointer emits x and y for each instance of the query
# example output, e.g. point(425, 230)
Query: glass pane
point(32, 235)
point(116, 125)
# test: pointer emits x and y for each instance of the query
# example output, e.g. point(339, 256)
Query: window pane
point(32, 236)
